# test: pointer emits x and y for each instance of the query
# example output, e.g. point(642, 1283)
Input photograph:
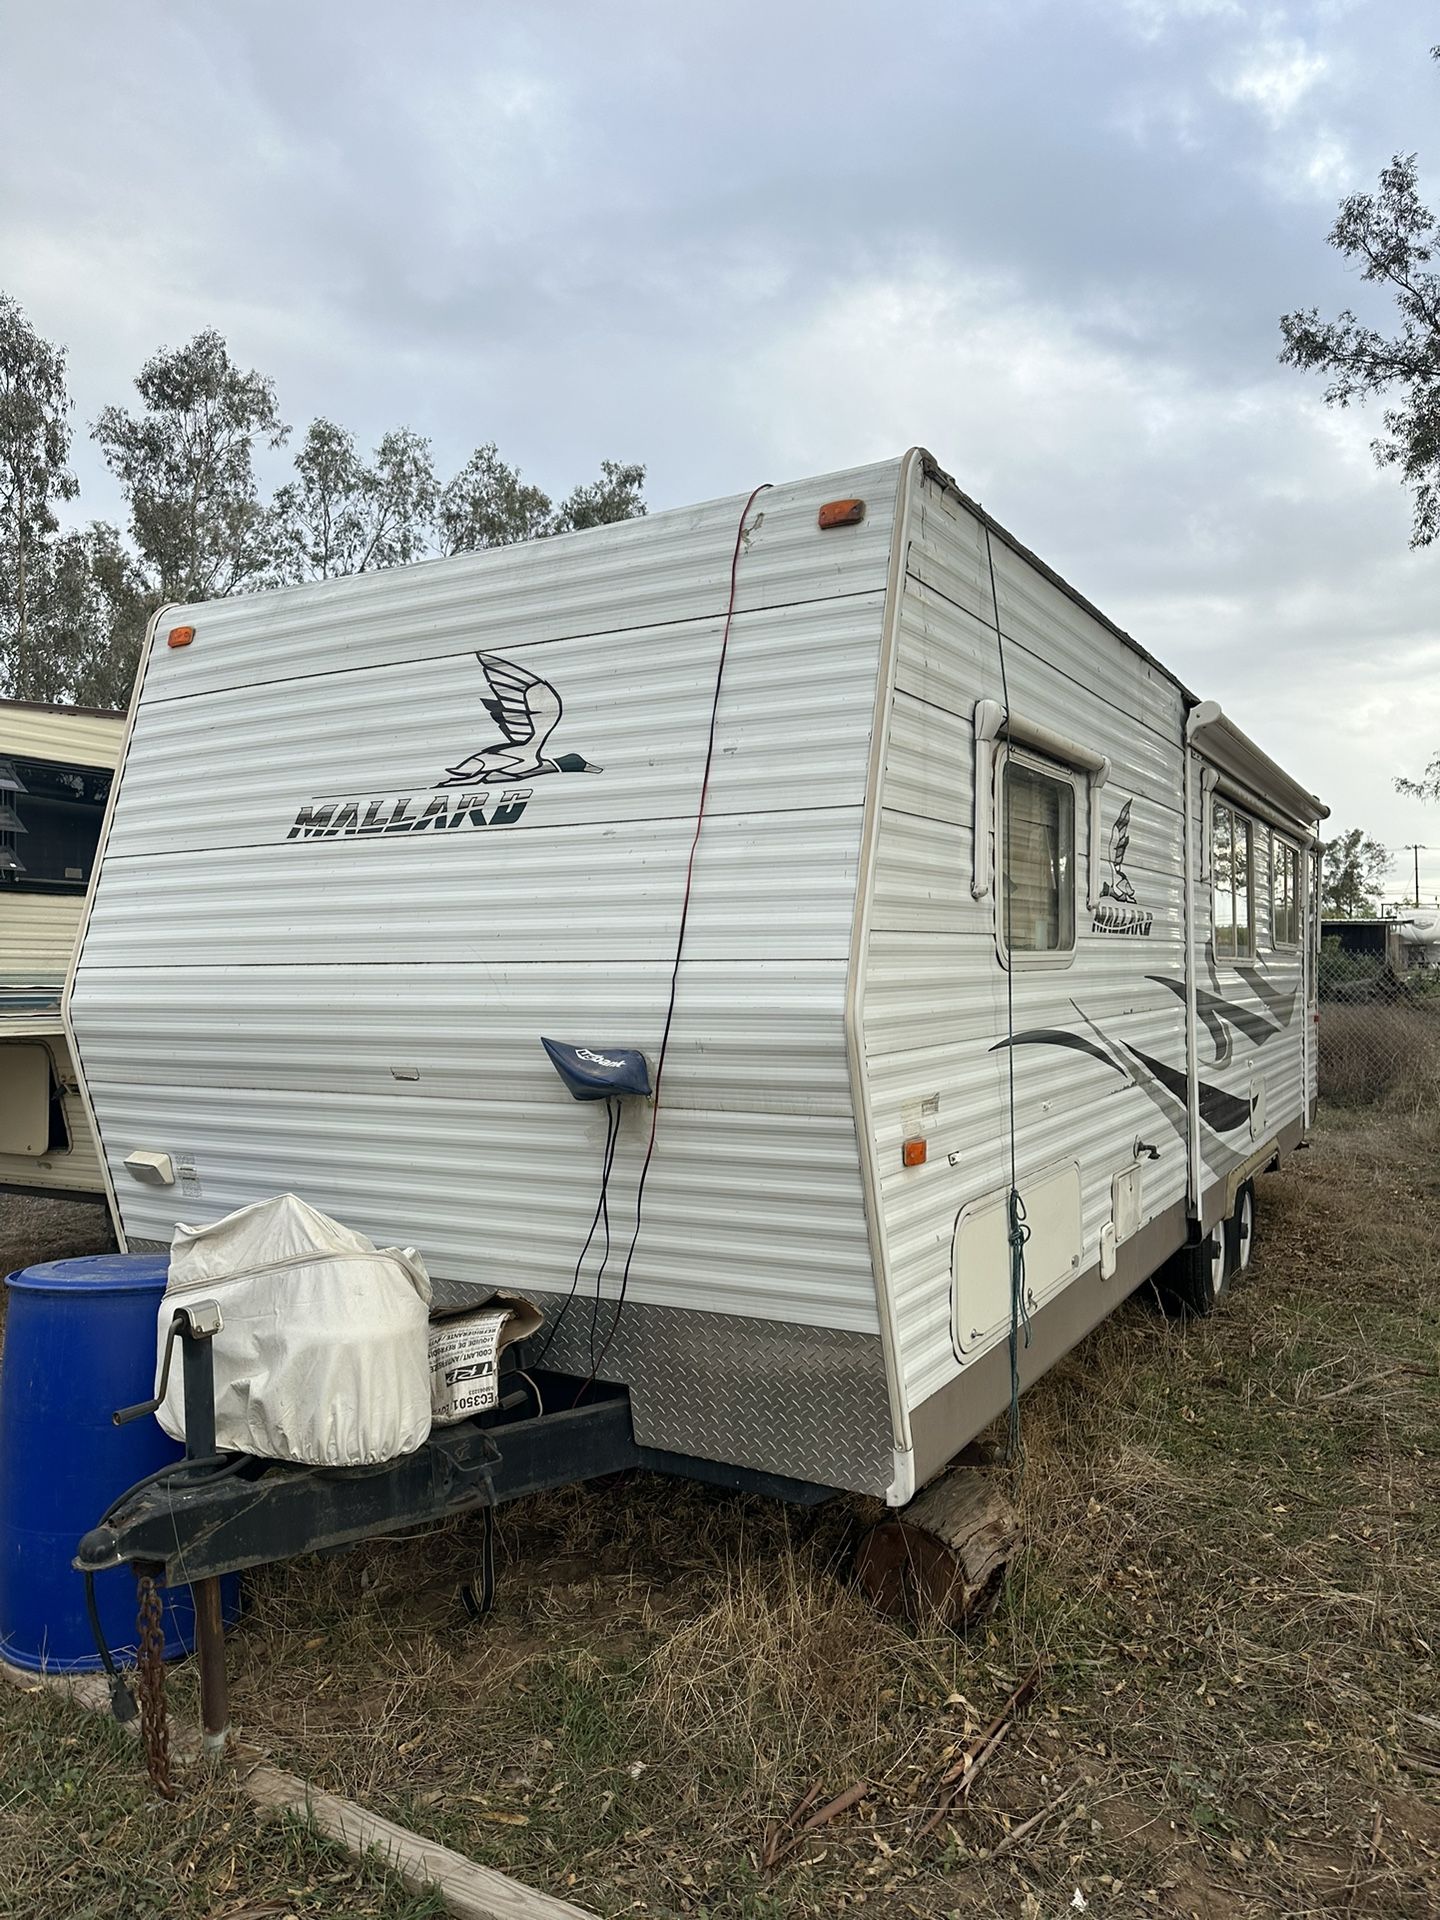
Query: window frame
point(1234, 957)
point(1025, 958)
point(1289, 852)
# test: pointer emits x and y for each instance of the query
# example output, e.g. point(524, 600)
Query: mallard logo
point(526, 710)
point(1117, 911)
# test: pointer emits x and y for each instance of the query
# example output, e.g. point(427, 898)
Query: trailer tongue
point(214, 1514)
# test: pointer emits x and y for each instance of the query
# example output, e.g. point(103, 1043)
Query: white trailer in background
point(373, 838)
point(56, 765)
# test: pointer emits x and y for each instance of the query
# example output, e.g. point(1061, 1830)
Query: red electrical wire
point(680, 937)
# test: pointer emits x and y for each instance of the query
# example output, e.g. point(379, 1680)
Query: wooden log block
point(942, 1560)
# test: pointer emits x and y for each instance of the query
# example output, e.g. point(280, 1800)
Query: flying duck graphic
point(527, 711)
point(1119, 886)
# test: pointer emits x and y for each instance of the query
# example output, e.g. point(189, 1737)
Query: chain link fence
point(1379, 1020)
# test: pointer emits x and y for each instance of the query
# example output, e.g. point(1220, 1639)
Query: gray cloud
point(1048, 240)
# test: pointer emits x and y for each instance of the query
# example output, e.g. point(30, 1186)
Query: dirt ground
point(1229, 1588)
point(32, 1229)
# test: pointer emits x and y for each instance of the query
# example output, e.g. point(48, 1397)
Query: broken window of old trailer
point(1233, 883)
point(1038, 860)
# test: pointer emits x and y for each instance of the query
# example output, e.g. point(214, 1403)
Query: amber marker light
point(912, 1154)
point(842, 513)
point(179, 636)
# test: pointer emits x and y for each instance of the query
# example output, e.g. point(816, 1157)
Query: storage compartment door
point(980, 1253)
point(24, 1098)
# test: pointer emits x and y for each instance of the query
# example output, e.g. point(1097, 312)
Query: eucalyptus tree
point(615, 495)
point(186, 462)
point(34, 449)
point(487, 504)
point(1352, 875)
point(1392, 237)
point(342, 514)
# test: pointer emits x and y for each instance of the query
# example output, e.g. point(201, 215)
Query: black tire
point(1195, 1281)
point(1240, 1230)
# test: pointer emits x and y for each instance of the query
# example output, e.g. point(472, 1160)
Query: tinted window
point(50, 819)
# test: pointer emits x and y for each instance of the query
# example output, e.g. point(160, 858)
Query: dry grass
point(1230, 1585)
point(83, 1838)
point(1379, 1055)
point(34, 1228)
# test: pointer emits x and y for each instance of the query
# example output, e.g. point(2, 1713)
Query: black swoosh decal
point(1218, 1109)
point(1222, 1111)
point(1280, 1005)
point(1214, 1009)
point(1057, 1037)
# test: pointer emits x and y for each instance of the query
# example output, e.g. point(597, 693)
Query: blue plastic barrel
point(79, 1342)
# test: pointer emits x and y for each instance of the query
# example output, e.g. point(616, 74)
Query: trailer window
point(50, 818)
point(1285, 897)
point(1232, 867)
point(1037, 860)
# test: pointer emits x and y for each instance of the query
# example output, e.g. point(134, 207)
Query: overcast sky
point(1048, 239)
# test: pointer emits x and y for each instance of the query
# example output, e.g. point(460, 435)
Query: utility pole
point(1417, 848)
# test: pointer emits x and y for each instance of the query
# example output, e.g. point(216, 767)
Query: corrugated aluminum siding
point(55, 733)
point(935, 1018)
point(360, 1018)
point(37, 937)
point(37, 930)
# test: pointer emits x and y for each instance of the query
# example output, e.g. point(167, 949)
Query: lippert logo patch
point(525, 709)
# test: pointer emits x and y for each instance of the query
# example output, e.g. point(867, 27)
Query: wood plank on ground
point(470, 1891)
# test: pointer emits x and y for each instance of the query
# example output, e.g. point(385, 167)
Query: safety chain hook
point(150, 1685)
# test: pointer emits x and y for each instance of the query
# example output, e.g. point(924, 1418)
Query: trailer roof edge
point(936, 472)
point(1218, 736)
point(59, 707)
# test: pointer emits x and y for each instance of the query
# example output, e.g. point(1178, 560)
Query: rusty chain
point(150, 1685)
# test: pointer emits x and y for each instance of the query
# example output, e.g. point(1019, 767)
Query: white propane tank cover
point(151, 1169)
point(321, 1350)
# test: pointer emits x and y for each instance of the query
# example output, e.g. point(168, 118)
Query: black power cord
point(602, 1212)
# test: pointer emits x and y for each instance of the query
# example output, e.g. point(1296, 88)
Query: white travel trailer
point(912, 877)
point(56, 765)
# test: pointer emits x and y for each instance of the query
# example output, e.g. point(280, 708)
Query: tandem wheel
point(1240, 1230)
point(1194, 1282)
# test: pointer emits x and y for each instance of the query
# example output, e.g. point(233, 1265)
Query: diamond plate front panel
point(807, 1402)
